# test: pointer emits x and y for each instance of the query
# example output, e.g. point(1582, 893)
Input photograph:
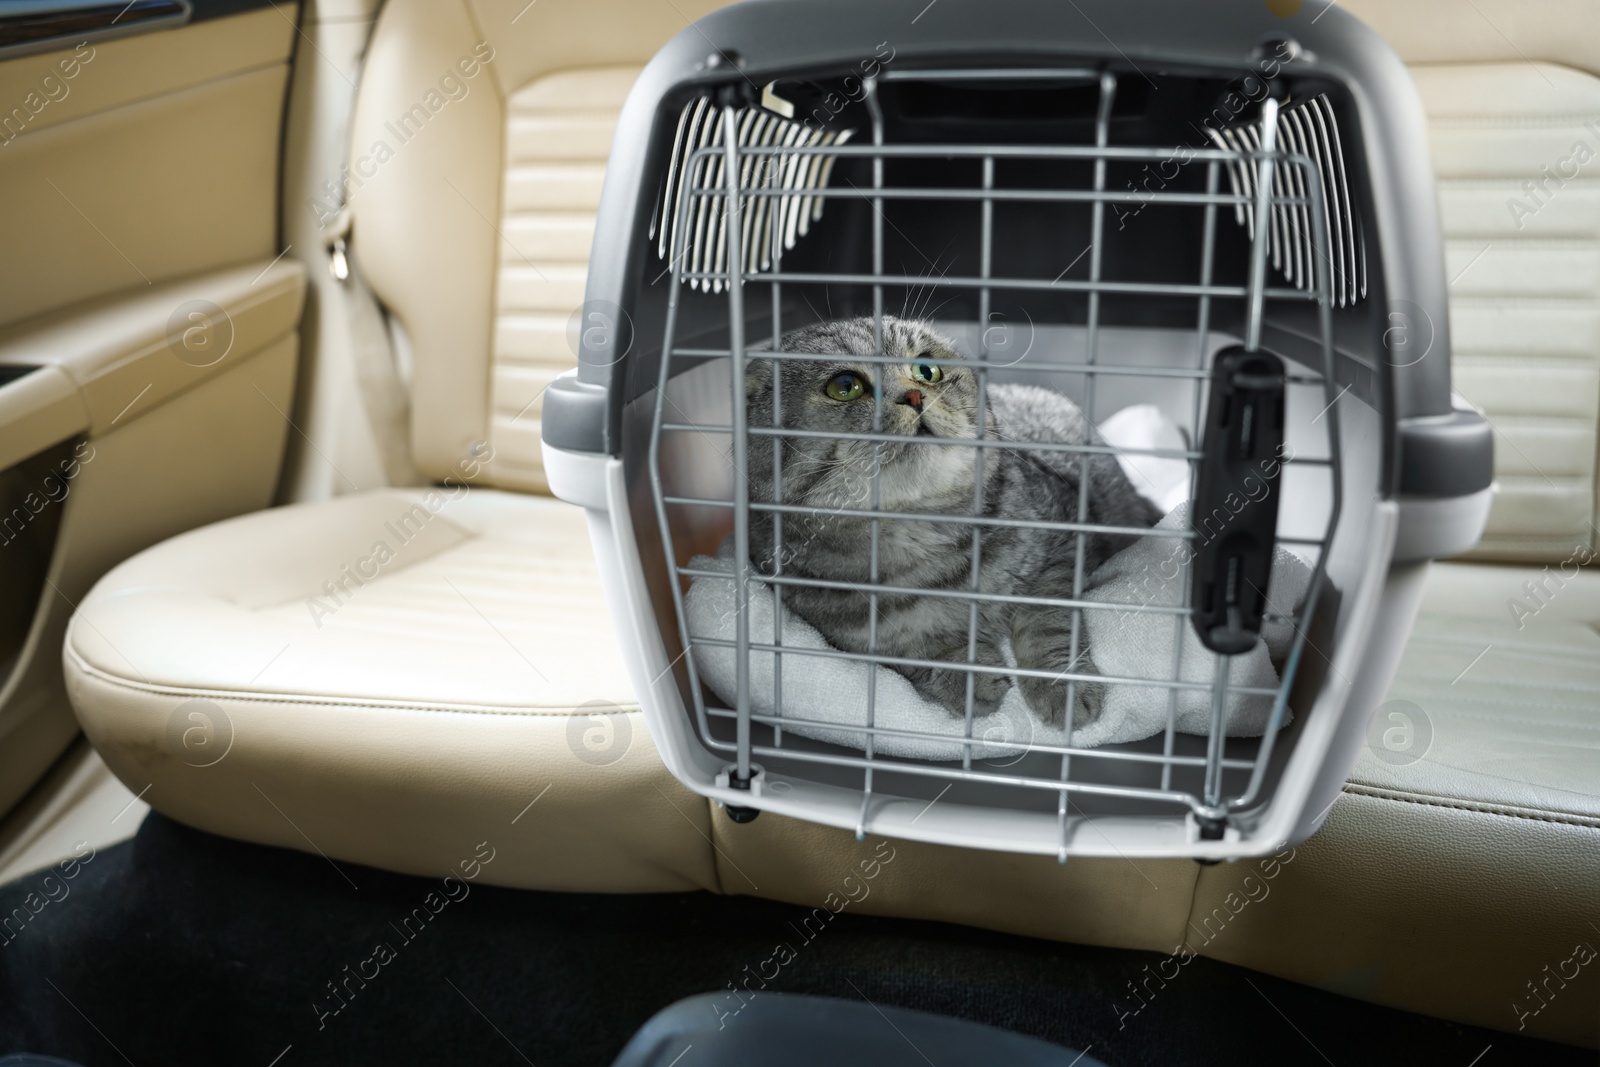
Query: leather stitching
point(1571, 120)
point(1526, 680)
point(1495, 717)
point(1543, 650)
point(263, 698)
point(1471, 181)
point(1462, 805)
point(1560, 244)
point(1515, 301)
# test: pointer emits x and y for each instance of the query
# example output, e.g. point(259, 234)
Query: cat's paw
point(1042, 639)
point(948, 688)
point(988, 690)
point(1090, 698)
point(1047, 698)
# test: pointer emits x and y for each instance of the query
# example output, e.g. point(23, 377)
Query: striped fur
point(832, 475)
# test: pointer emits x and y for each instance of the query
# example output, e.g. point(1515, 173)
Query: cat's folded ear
point(757, 377)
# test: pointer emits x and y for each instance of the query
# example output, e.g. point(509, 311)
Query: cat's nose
point(912, 397)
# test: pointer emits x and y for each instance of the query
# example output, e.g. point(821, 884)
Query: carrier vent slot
point(1308, 128)
point(700, 246)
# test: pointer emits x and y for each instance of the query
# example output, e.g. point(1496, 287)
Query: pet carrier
point(1221, 218)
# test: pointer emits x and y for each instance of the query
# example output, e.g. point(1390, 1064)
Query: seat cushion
point(1460, 862)
point(394, 678)
point(388, 678)
point(1457, 874)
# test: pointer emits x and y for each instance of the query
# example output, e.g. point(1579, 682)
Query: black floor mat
point(183, 948)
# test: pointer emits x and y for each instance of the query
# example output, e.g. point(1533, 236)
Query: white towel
point(1130, 644)
point(1124, 644)
point(1162, 481)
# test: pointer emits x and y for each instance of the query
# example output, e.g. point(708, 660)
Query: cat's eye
point(845, 387)
point(928, 372)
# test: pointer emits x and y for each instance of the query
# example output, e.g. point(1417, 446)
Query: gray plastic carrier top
point(1222, 214)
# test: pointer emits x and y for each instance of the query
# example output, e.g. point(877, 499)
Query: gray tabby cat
point(928, 400)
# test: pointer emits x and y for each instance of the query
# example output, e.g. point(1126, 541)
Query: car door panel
point(148, 321)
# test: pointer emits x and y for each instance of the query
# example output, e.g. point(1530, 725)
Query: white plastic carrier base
point(1376, 610)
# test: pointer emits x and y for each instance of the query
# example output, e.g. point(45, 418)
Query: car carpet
point(180, 947)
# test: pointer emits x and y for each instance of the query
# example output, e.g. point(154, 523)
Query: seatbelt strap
point(384, 396)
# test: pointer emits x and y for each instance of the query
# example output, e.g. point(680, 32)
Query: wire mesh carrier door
point(1169, 643)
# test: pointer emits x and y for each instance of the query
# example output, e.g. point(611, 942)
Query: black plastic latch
point(1235, 511)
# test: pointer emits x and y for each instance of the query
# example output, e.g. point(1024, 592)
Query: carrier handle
point(1234, 516)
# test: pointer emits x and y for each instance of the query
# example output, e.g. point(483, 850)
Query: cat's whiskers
point(839, 468)
point(929, 313)
point(967, 428)
point(929, 288)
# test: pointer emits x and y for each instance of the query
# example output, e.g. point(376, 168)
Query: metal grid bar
point(731, 215)
point(1102, 138)
point(1062, 285)
point(1104, 371)
point(1271, 190)
point(658, 491)
point(934, 516)
point(1029, 446)
point(776, 243)
point(1208, 248)
point(870, 86)
point(979, 443)
point(929, 770)
point(780, 580)
point(1052, 196)
point(1044, 748)
point(882, 659)
point(1319, 578)
point(981, 425)
point(1252, 343)
point(1133, 153)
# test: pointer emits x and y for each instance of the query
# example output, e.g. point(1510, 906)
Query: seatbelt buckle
point(338, 248)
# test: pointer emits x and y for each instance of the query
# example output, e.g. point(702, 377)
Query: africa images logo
point(199, 732)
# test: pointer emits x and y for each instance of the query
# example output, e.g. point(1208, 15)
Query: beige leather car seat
point(466, 686)
point(390, 677)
